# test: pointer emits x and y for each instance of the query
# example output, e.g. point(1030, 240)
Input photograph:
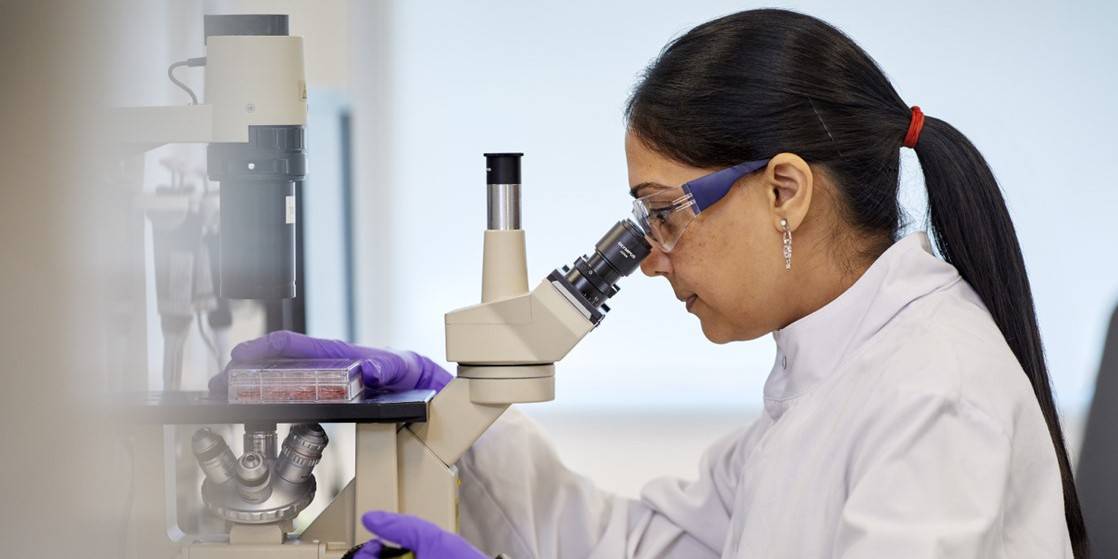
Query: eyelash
point(672, 207)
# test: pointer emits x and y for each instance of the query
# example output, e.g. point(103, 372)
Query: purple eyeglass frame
point(708, 189)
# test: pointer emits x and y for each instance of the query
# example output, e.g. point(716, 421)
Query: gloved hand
point(380, 369)
point(426, 540)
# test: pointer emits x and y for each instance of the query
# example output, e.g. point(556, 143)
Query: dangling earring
point(787, 244)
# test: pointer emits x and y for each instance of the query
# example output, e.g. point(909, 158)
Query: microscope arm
point(506, 350)
point(455, 422)
point(145, 128)
point(250, 81)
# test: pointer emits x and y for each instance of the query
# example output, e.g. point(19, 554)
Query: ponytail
point(974, 233)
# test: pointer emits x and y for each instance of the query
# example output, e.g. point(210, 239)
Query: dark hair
point(756, 83)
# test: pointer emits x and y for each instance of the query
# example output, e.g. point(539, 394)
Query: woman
point(908, 413)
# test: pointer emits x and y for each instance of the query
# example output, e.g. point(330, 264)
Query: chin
point(721, 332)
point(716, 333)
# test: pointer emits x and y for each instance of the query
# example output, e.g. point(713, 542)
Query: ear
point(789, 187)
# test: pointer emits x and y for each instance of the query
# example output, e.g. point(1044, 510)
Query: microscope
point(407, 444)
point(252, 122)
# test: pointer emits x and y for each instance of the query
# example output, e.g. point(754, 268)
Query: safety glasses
point(665, 215)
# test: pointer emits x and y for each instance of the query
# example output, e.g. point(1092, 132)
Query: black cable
point(171, 74)
point(192, 63)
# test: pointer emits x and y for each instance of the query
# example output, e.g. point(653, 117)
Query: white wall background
point(441, 82)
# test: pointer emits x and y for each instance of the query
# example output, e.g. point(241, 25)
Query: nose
point(656, 263)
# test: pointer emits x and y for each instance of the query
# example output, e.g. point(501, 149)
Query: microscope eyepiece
point(502, 173)
point(623, 247)
point(592, 279)
point(502, 168)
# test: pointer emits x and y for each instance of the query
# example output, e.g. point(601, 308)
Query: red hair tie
point(914, 127)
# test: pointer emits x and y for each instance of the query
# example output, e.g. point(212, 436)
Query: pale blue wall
point(324, 227)
point(1030, 84)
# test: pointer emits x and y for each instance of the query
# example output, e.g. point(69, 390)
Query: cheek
point(729, 272)
point(724, 263)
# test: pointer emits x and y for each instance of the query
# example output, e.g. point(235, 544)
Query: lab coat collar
point(814, 346)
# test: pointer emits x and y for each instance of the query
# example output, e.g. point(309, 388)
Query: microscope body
point(252, 120)
point(505, 347)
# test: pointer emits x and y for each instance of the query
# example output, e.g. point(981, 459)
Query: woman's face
point(728, 266)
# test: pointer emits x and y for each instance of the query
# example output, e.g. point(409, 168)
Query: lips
point(690, 301)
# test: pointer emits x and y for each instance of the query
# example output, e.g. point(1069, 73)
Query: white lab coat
point(897, 424)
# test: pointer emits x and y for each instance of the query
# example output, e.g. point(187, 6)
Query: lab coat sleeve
point(929, 481)
point(517, 498)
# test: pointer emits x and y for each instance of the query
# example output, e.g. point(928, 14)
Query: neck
point(817, 278)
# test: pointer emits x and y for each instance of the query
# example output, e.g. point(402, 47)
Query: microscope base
point(263, 551)
point(246, 534)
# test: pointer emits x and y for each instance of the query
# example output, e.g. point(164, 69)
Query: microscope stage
point(198, 408)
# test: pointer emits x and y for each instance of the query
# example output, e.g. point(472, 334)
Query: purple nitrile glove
point(426, 540)
point(381, 369)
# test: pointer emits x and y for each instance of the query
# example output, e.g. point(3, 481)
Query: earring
point(787, 244)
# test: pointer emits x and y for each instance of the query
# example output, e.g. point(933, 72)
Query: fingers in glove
point(432, 376)
point(387, 370)
point(219, 384)
point(427, 540)
point(408, 531)
point(371, 550)
point(289, 345)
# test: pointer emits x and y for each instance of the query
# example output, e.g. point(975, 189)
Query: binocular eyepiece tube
point(592, 279)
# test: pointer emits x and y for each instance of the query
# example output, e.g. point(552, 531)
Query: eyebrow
point(635, 190)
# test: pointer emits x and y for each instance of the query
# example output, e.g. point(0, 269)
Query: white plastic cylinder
point(504, 265)
point(254, 80)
